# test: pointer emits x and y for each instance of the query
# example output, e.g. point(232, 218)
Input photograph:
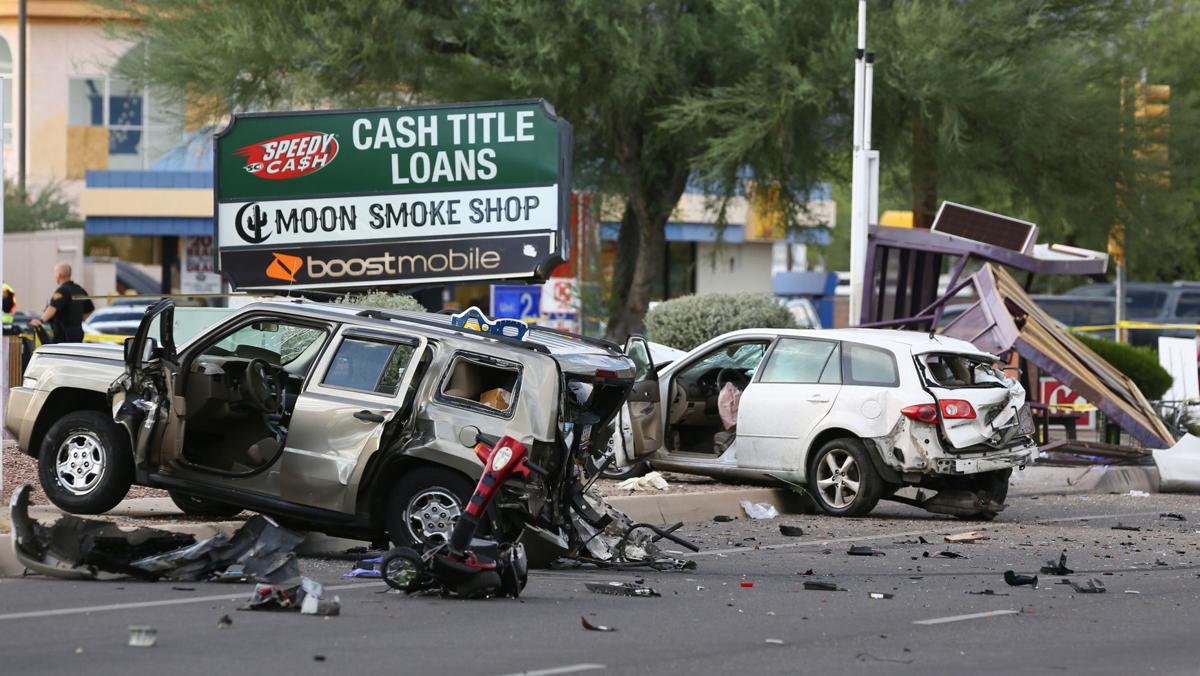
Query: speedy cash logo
point(290, 156)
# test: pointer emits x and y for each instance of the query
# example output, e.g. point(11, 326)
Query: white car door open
point(794, 390)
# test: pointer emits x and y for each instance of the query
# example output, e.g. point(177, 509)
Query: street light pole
point(859, 174)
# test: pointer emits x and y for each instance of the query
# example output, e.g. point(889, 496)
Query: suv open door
point(645, 400)
point(138, 395)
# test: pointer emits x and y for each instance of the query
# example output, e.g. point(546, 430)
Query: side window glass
point(865, 365)
point(832, 375)
point(1188, 305)
point(1140, 304)
point(368, 366)
point(797, 361)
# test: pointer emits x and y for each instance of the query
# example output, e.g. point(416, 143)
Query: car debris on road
point(967, 538)
point(141, 636)
point(759, 510)
point(594, 627)
point(91, 549)
point(1015, 580)
point(622, 589)
point(1060, 568)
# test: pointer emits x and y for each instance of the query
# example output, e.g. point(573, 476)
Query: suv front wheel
point(842, 479)
point(85, 464)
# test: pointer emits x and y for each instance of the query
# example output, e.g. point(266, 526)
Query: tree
point(1012, 106)
point(615, 69)
point(44, 208)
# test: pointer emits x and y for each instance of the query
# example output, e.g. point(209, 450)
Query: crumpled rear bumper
point(915, 449)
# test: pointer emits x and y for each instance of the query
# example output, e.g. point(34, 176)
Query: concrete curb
point(1095, 479)
point(669, 508)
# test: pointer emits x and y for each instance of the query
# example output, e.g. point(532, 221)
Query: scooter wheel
point(403, 569)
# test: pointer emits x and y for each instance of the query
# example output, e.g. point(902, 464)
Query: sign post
point(392, 197)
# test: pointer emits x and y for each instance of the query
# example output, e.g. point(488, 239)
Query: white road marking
point(1062, 519)
point(568, 669)
point(152, 604)
point(972, 616)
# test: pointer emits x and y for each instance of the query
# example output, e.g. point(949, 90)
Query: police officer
point(67, 309)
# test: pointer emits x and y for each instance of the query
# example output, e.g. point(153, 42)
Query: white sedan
point(853, 415)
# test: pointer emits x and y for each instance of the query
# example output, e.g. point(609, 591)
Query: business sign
point(197, 269)
point(1064, 401)
point(516, 301)
point(394, 196)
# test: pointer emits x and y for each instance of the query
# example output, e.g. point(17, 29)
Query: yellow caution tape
point(1135, 325)
point(103, 338)
point(1080, 408)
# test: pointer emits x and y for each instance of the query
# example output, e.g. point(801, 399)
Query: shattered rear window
point(956, 370)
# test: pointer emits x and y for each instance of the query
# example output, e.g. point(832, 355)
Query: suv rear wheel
point(842, 479)
point(85, 464)
point(425, 504)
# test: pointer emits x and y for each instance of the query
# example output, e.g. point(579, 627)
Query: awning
point(707, 232)
point(154, 226)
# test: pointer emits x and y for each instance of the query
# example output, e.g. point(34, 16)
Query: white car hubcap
point(838, 478)
point(80, 462)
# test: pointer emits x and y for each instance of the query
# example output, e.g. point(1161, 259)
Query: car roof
point(918, 342)
point(565, 347)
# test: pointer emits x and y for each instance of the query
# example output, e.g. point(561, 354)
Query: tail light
point(956, 408)
point(926, 413)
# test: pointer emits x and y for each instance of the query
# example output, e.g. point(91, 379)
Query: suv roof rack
point(595, 342)
point(373, 313)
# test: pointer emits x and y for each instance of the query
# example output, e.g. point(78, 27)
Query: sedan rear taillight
point(956, 408)
point(926, 413)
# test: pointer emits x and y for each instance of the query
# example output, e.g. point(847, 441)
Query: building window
point(6, 80)
point(141, 126)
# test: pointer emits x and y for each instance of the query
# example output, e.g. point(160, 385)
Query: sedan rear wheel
point(842, 479)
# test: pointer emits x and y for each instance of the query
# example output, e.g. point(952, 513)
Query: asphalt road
point(705, 621)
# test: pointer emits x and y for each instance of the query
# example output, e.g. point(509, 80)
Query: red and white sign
point(290, 156)
point(559, 296)
point(1054, 392)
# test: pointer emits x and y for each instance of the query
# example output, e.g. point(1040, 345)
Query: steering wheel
point(262, 385)
point(730, 375)
point(707, 383)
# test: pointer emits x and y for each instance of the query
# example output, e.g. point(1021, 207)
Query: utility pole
point(22, 27)
point(859, 191)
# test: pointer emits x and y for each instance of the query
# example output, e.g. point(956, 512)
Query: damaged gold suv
point(355, 422)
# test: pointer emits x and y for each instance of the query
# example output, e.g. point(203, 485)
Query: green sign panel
point(304, 200)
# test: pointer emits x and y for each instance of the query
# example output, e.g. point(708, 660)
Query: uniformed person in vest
point(10, 303)
point(67, 308)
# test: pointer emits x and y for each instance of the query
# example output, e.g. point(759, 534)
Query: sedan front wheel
point(842, 479)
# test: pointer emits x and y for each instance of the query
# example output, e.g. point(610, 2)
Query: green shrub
point(688, 321)
point(1139, 364)
point(384, 300)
